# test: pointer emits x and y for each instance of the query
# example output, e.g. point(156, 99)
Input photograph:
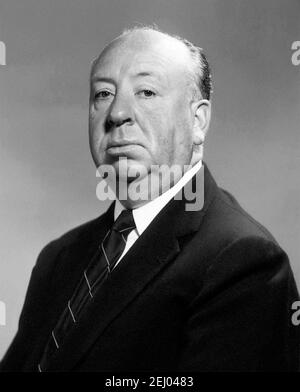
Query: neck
point(143, 190)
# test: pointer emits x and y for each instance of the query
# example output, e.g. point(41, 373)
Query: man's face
point(140, 103)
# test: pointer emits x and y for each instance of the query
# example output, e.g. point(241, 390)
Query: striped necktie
point(94, 275)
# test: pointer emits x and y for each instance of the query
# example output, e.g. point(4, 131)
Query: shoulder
point(231, 222)
point(231, 242)
point(50, 253)
point(241, 249)
point(224, 219)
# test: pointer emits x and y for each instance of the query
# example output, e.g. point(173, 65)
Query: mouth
point(122, 148)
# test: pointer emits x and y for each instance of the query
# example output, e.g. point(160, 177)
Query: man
point(203, 289)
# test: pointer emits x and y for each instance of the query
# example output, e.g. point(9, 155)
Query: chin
point(129, 169)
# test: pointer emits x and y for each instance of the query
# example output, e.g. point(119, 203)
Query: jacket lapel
point(152, 252)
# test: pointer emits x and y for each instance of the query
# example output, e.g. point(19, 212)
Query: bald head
point(143, 39)
point(179, 51)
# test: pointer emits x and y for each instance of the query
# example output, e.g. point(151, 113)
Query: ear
point(202, 114)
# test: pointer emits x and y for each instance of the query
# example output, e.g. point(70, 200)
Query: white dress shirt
point(145, 214)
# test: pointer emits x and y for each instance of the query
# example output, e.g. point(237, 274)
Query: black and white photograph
point(150, 191)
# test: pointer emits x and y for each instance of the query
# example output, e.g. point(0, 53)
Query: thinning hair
point(200, 66)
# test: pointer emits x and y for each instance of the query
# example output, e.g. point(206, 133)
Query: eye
point(103, 94)
point(147, 93)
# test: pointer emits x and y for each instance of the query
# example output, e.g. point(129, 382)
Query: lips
point(116, 143)
point(123, 147)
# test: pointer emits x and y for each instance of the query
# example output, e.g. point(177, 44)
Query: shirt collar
point(144, 215)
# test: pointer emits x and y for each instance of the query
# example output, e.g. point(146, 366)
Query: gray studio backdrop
point(47, 178)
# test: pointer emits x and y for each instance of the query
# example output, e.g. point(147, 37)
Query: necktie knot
point(124, 222)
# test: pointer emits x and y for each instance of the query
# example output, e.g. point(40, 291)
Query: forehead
point(140, 52)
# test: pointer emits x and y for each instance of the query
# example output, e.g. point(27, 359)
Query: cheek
point(153, 123)
point(96, 128)
point(166, 128)
point(183, 121)
point(184, 131)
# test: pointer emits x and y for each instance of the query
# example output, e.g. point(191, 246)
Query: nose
point(120, 112)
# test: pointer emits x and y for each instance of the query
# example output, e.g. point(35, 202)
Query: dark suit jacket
point(208, 290)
